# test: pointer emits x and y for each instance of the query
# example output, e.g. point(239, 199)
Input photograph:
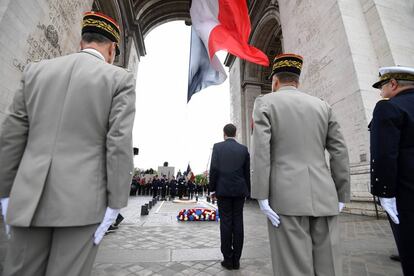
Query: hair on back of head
point(230, 130)
point(404, 83)
point(95, 37)
point(285, 77)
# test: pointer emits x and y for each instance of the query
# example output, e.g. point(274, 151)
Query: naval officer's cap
point(96, 22)
point(394, 72)
point(287, 63)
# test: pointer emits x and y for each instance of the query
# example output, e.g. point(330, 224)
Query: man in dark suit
point(230, 183)
point(392, 155)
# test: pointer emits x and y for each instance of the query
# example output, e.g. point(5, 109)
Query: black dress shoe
point(395, 258)
point(227, 265)
point(111, 229)
point(236, 264)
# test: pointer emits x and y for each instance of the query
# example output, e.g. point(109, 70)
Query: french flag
point(220, 25)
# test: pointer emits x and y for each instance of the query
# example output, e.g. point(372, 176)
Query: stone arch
point(155, 13)
point(267, 36)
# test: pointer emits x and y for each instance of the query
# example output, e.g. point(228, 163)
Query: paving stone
point(166, 247)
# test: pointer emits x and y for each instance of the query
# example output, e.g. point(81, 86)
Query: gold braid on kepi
point(402, 73)
point(96, 22)
point(288, 63)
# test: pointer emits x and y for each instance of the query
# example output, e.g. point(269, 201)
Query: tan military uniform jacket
point(66, 144)
point(291, 132)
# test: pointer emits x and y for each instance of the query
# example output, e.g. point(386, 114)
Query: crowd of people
point(181, 186)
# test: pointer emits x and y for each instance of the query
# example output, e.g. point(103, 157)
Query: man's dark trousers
point(231, 228)
point(406, 241)
point(395, 232)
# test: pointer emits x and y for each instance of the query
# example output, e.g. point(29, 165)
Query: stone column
point(33, 30)
point(391, 25)
point(3, 7)
point(251, 91)
point(133, 60)
point(237, 100)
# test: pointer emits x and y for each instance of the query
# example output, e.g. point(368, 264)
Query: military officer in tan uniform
point(294, 186)
point(66, 155)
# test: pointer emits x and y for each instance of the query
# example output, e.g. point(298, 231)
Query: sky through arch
point(166, 128)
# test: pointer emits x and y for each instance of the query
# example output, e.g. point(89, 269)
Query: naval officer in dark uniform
point(392, 155)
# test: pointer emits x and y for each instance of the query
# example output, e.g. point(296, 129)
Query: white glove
point(341, 206)
point(390, 206)
point(271, 215)
point(4, 204)
point(109, 218)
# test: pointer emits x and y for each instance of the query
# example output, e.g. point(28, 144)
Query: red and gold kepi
point(287, 63)
point(96, 22)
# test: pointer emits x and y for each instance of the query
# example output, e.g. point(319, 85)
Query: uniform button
point(376, 179)
point(373, 160)
point(385, 187)
point(130, 173)
point(372, 170)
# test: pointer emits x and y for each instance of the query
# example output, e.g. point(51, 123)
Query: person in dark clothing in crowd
point(155, 185)
point(163, 186)
point(134, 187)
point(173, 187)
point(180, 187)
point(191, 189)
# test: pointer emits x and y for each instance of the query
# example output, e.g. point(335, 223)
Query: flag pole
point(209, 158)
point(189, 65)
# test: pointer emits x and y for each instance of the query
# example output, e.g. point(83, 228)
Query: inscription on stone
point(64, 17)
point(64, 14)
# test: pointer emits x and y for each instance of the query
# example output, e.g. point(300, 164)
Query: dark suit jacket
point(230, 169)
point(392, 149)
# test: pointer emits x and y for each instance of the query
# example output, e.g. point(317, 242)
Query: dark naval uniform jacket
point(392, 149)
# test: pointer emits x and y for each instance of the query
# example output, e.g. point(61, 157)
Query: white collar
point(94, 52)
point(287, 87)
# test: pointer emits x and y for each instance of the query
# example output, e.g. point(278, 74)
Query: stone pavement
point(158, 244)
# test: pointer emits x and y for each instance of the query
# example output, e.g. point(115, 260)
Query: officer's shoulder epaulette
point(383, 104)
point(384, 101)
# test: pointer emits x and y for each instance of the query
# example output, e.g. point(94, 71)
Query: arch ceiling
point(152, 13)
point(138, 17)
